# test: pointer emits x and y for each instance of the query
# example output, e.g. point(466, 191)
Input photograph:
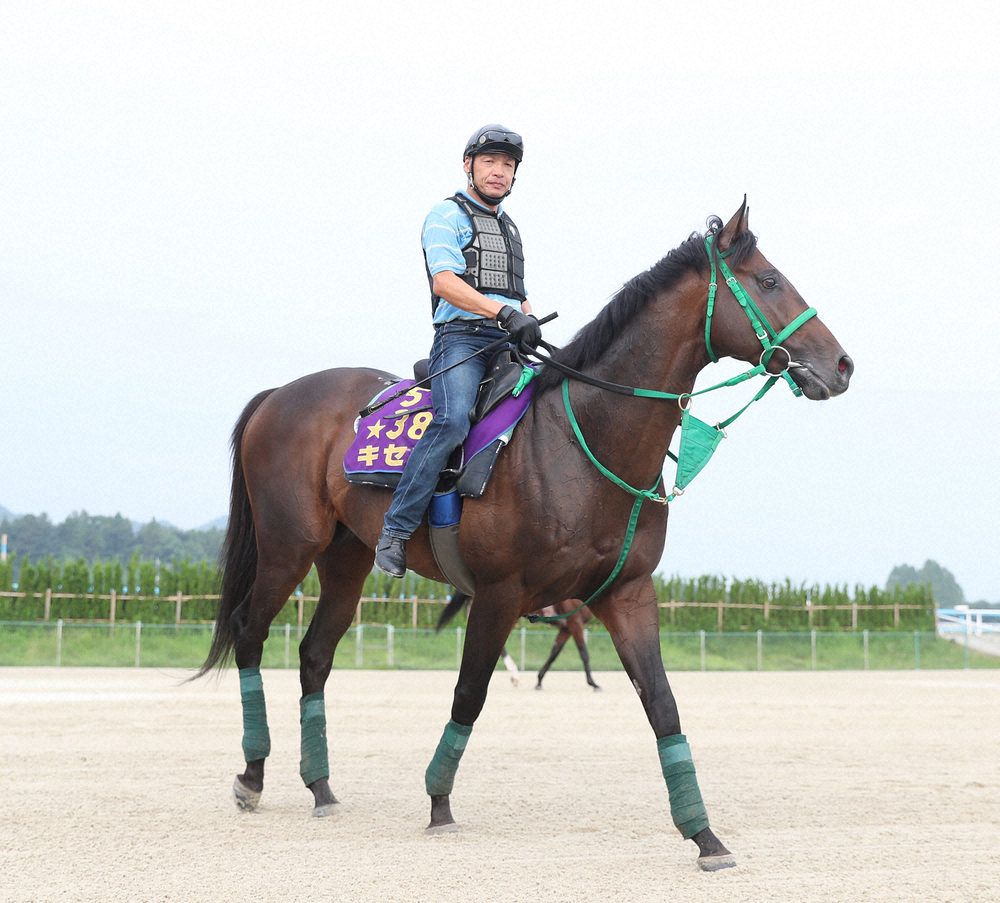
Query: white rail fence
point(977, 628)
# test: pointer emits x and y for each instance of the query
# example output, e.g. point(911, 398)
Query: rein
point(698, 439)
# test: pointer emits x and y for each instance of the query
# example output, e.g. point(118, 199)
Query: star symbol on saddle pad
point(375, 430)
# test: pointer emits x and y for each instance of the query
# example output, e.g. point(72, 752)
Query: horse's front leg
point(632, 619)
point(585, 658)
point(484, 641)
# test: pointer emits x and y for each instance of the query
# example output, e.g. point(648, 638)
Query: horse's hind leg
point(561, 638)
point(250, 623)
point(342, 569)
point(511, 666)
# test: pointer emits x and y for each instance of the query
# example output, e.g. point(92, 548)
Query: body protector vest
point(494, 258)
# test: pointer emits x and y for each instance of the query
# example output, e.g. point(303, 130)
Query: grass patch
point(187, 645)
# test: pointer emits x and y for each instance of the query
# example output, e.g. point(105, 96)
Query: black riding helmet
point(498, 140)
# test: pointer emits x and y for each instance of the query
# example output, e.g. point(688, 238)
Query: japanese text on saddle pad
point(390, 437)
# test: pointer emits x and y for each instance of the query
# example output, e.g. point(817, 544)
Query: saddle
point(502, 376)
point(385, 437)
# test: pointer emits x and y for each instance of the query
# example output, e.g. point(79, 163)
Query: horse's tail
point(238, 556)
point(458, 600)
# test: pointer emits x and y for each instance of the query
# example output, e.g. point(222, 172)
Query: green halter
point(698, 439)
point(762, 329)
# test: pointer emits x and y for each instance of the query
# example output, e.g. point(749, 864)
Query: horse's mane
point(591, 342)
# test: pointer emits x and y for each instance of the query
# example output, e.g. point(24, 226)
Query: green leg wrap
point(315, 762)
point(256, 737)
point(440, 775)
point(686, 806)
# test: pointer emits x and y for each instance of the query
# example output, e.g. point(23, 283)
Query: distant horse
point(571, 626)
point(552, 523)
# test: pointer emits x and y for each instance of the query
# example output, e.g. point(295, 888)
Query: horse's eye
point(769, 282)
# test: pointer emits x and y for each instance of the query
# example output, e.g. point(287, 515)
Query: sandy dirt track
point(878, 786)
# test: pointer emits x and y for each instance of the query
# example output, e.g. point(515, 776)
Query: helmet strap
point(489, 201)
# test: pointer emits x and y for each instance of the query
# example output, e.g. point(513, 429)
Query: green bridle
point(698, 439)
point(766, 335)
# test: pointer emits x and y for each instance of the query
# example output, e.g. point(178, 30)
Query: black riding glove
point(523, 328)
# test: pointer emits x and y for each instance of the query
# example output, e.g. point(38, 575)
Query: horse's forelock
point(740, 250)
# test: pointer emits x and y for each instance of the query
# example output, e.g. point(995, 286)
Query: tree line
point(93, 537)
point(947, 592)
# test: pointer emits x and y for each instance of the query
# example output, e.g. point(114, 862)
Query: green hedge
point(790, 607)
point(150, 586)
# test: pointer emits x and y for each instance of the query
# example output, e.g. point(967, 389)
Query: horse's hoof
point(326, 810)
point(716, 863)
point(432, 830)
point(246, 799)
point(538, 686)
point(597, 689)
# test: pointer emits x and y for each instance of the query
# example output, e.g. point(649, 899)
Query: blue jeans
point(453, 394)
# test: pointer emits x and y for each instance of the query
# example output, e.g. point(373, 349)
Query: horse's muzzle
point(818, 385)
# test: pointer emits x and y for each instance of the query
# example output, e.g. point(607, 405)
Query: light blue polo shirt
point(446, 231)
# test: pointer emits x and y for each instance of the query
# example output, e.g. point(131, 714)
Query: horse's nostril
point(846, 365)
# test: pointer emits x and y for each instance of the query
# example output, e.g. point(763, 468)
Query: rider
point(475, 267)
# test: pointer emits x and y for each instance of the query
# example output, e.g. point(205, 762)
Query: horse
point(569, 617)
point(572, 625)
point(551, 524)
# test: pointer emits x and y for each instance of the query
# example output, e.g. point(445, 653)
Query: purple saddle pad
point(385, 438)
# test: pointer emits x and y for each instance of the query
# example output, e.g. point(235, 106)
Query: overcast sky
point(199, 200)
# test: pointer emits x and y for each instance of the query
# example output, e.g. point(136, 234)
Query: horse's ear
point(735, 227)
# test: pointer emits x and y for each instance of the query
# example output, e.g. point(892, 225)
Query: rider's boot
point(390, 555)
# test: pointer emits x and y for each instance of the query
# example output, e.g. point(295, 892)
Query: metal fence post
point(729, 653)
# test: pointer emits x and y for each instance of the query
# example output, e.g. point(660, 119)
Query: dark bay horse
point(550, 526)
point(572, 625)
